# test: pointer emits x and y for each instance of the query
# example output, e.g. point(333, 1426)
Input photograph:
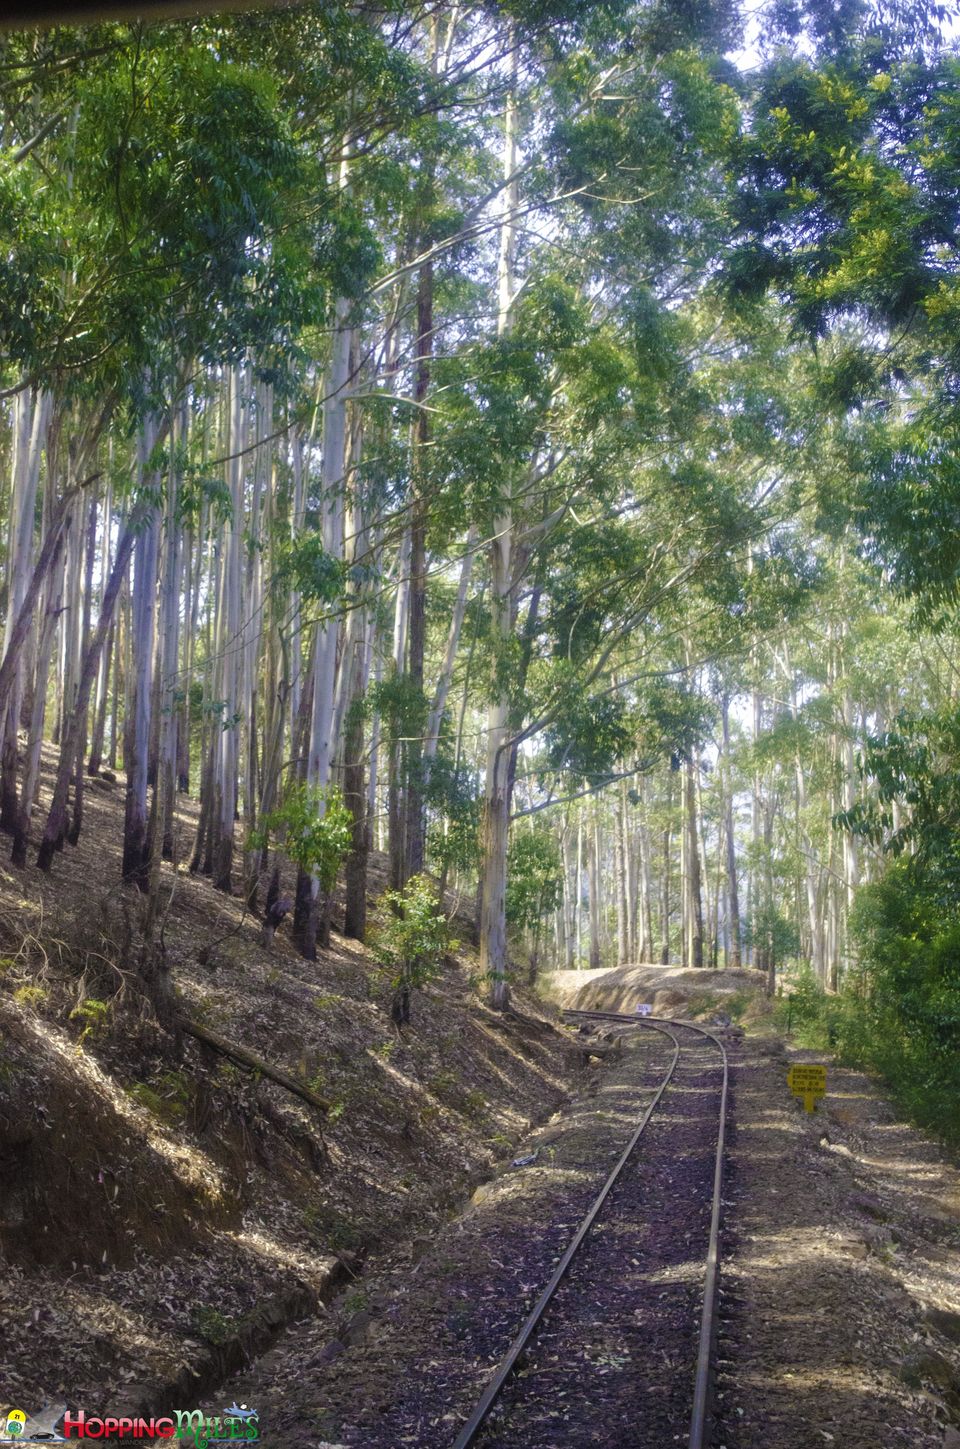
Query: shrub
point(94, 1014)
point(412, 940)
point(33, 996)
point(213, 1325)
point(898, 1012)
point(817, 1020)
point(909, 939)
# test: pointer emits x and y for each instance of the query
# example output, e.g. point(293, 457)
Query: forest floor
point(163, 1216)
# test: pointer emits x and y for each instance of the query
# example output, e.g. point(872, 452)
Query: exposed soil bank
point(670, 990)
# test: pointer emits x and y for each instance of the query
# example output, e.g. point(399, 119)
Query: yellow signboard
point(809, 1081)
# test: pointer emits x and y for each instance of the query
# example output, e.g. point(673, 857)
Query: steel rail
point(702, 1379)
point(702, 1383)
point(491, 1393)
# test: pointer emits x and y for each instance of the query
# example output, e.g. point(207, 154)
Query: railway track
point(618, 1348)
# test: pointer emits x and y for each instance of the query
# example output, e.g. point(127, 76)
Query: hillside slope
point(163, 1211)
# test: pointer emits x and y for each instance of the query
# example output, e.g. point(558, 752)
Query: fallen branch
point(546, 1028)
point(252, 1062)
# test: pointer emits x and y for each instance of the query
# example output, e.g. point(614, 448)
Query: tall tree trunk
point(53, 544)
point(578, 894)
point(309, 923)
point(137, 731)
point(621, 884)
point(569, 898)
point(414, 812)
point(756, 894)
point(645, 947)
point(593, 876)
point(396, 828)
point(445, 677)
point(76, 824)
point(733, 891)
point(56, 825)
point(354, 669)
point(31, 772)
point(30, 417)
point(230, 645)
point(665, 878)
point(496, 803)
point(169, 651)
point(695, 938)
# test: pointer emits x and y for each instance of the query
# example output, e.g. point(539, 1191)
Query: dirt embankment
point(668, 990)
point(163, 1213)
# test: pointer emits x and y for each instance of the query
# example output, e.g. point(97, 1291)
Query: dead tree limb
point(252, 1062)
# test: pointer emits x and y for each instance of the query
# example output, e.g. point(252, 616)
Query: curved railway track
point(631, 1299)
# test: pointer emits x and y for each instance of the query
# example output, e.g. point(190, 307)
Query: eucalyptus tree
point(375, 419)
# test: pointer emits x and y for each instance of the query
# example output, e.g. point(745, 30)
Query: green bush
point(94, 1014)
point(412, 940)
point(908, 932)
point(899, 1011)
point(821, 1021)
point(907, 923)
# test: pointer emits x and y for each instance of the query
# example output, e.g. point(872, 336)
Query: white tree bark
point(496, 823)
point(230, 641)
point(137, 734)
point(435, 717)
point(31, 414)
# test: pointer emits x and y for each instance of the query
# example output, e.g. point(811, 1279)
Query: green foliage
point(414, 935)
point(316, 830)
point(770, 932)
point(916, 763)
point(403, 707)
point(32, 996)
point(454, 836)
point(907, 505)
point(899, 1012)
point(909, 940)
point(818, 1020)
point(588, 735)
point(173, 202)
point(94, 1014)
point(305, 565)
point(675, 721)
point(169, 1098)
point(534, 878)
point(216, 1327)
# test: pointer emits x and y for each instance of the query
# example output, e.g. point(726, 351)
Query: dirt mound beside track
point(668, 989)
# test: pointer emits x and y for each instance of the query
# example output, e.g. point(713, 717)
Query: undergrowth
point(908, 1036)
